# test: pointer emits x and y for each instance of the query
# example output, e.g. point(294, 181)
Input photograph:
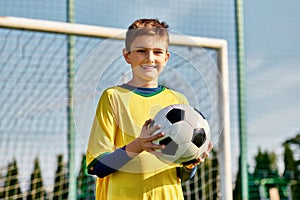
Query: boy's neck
point(151, 84)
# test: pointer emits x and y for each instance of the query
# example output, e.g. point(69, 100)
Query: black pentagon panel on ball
point(199, 137)
point(175, 115)
point(170, 146)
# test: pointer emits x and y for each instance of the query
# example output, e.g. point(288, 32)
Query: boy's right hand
point(144, 141)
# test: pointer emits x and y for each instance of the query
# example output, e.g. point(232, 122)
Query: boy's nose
point(150, 56)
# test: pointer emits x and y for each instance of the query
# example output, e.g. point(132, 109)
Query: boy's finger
point(156, 136)
point(155, 147)
point(148, 122)
point(155, 128)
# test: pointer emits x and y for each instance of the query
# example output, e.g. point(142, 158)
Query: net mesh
point(34, 97)
point(33, 127)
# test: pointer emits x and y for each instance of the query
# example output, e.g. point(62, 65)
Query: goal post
point(88, 34)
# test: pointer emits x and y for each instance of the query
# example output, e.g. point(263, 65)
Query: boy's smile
point(147, 57)
point(148, 67)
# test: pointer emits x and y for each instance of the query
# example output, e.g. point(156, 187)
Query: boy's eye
point(144, 51)
point(141, 50)
point(158, 51)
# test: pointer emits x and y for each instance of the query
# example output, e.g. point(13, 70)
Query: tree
point(266, 165)
point(295, 140)
point(60, 190)
point(36, 190)
point(237, 192)
point(85, 183)
point(12, 189)
point(2, 178)
point(291, 170)
point(292, 165)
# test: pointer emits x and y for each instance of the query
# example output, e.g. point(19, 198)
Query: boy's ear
point(167, 56)
point(126, 55)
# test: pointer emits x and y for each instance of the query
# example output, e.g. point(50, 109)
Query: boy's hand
point(202, 158)
point(144, 141)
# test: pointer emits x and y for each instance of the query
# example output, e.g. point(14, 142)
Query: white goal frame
point(219, 45)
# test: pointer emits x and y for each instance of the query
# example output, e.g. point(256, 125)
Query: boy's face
point(148, 56)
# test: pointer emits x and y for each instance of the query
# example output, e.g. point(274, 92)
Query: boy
point(120, 150)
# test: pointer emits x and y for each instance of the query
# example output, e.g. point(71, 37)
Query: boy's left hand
point(202, 158)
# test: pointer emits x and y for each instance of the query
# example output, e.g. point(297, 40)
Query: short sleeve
point(101, 140)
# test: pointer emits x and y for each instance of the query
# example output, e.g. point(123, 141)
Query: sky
point(272, 66)
point(272, 40)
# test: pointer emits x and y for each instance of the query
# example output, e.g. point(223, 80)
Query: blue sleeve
point(110, 163)
point(186, 174)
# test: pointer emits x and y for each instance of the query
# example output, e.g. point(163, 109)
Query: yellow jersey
point(120, 115)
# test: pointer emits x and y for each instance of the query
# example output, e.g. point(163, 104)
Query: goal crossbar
point(96, 31)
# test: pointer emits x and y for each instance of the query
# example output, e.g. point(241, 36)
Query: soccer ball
point(187, 134)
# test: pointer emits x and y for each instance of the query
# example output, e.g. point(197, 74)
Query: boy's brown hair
point(147, 27)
